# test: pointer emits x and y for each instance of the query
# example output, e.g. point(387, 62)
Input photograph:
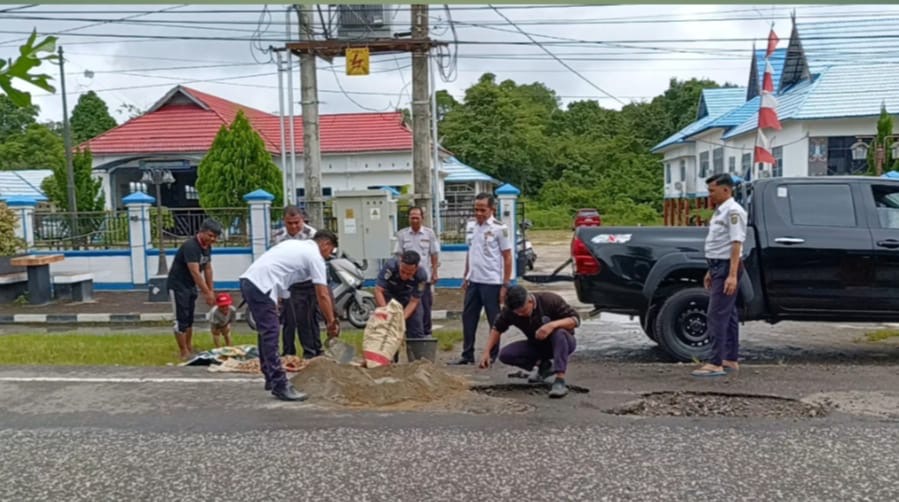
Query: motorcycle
point(526, 254)
point(351, 302)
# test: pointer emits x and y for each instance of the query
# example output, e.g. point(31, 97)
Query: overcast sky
point(621, 53)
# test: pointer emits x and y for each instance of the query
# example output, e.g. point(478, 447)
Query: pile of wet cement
point(347, 385)
point(695, 404)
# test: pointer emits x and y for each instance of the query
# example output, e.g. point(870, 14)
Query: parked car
point(817, 249)
point(587, 217)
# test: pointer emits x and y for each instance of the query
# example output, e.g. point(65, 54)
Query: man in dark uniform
point(723, 251)
point(548, 322)
point(192, 270)
point(404, 281)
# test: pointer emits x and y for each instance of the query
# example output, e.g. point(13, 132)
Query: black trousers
point(300, 315)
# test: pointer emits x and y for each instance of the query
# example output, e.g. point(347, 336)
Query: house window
point(704, 165)
point(839, 157)
point(777, 170)
point(732, 165)
point(667, 173)
point(718, 160)
point(745, 164)
point(326, 192)
point(190, 193)
point(683, 170)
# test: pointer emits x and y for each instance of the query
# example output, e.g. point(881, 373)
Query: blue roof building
point(830, 85)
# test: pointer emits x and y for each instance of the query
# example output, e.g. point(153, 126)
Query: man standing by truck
point(723, 251)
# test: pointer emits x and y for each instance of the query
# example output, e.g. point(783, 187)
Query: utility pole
point(285, 187)
point(312, 157)
point(67, 139)
point(421, 134)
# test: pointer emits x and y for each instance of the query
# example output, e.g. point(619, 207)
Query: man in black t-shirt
point(192, 270)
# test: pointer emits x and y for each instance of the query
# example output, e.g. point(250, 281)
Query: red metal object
point(587, 217)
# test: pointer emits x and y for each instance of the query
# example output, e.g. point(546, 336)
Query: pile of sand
point(419, 382)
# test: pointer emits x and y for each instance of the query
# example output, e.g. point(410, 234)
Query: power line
point(563, 63)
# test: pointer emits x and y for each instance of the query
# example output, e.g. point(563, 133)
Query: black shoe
point(460, 362)
point(544, 371)
point(268, 385)
point(559, 389)
point(288, 393)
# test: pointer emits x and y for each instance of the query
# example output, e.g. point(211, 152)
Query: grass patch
point(549, 237)
point(154, 349)
point(881, 335)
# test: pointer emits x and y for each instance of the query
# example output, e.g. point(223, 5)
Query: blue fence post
point(508, 195)
point(260, 203)
point(24, 209)
point(138, 204)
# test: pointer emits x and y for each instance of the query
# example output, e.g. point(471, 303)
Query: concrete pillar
point(260, 203)
point(508, 195)
point(138, 205)
point(23, 206)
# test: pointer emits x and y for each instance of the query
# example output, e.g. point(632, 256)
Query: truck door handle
point(789, 240)
point(889, 244)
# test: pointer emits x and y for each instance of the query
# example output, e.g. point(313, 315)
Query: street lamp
point(860, 150)
point(156, 176)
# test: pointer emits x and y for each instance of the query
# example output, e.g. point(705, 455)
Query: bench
point(78, 286)
point(12, 286)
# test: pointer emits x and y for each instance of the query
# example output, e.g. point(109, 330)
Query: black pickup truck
point(817, 249)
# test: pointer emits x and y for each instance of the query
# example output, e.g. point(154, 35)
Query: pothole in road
point(711, 404)
point(518, 390)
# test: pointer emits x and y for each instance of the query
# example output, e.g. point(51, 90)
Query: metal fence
point(181, 223)
point(61, 231)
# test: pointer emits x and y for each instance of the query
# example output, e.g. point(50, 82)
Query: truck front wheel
point(681, 327)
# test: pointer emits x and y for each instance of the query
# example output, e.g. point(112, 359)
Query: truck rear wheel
point(681, 328)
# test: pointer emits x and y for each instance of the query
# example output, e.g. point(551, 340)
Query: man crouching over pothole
point(548, 322)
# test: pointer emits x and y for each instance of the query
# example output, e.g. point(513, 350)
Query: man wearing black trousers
point(488, 272)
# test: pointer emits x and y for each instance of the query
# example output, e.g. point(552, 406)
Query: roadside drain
point(711, 404)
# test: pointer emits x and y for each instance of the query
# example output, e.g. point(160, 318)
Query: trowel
point(339, 351)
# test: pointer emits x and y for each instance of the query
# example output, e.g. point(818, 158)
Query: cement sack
point(384, 333)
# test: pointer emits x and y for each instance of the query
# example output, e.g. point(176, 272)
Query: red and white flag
point(763, 149)
point(772, 42)
point(768, 79)
point(768, 112)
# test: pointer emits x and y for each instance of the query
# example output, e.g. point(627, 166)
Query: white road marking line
point(128, 380)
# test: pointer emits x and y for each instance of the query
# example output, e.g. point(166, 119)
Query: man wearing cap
point(488, 272)
point(548, 322)
point(220, 318)
point(298, 314)
point(404, 281)
point(266, 279)
point(423, 241)
point(724, 254)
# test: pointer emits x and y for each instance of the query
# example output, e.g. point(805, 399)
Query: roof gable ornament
point(176, 92)
point(752, 88)
point(795, 67)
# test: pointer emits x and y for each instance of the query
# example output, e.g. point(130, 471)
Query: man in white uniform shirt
point(723, 251)
point(488, 272)
point(299, 311)
point(269, 277)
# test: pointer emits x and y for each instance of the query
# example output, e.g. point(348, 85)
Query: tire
point(648, 321)
point(681, 327)
point(357, 314)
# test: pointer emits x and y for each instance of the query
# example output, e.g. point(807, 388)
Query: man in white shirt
point(269, 277)
point(723, 251)
point(488, 272)
point(423, 241)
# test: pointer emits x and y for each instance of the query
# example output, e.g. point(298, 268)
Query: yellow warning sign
point(357, 59)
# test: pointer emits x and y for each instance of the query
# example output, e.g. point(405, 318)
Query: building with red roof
point(359, 150)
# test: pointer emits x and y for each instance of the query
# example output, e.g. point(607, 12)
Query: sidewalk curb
point(157, 317)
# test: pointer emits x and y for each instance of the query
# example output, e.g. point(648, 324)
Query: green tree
point(90, 117)
point(37, 148)
point(10, 244)
point(31, 54)
point(15, 119)
point(237, 163)
point(88, 189)
point(884, 140)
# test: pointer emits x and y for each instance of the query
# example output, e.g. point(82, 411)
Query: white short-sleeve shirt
point(728, 225)
point(424, 242)
point(486, 244)
point(289, 262)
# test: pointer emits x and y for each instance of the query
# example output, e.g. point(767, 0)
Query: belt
point(301, 286)
point(717, 261)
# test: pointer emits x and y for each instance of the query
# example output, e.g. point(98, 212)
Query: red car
point(587, 218)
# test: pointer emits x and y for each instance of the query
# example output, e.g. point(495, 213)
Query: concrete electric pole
point(67, 140)
point(312, 157)
point(421, 134)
